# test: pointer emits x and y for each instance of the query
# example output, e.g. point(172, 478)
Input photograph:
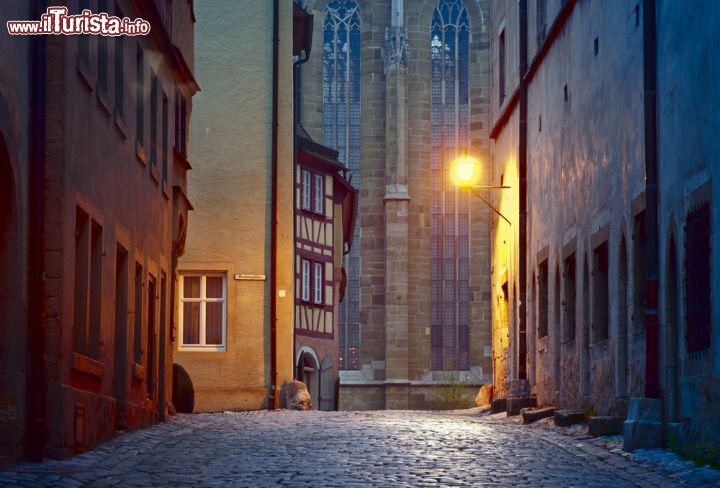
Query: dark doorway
point(13, 321)
point(150, 343)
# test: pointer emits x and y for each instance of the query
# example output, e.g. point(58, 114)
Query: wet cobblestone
point(360, 449)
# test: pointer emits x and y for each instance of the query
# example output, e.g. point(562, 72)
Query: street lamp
point(465, 172)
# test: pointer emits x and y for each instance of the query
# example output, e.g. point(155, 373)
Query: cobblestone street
point(346, 449)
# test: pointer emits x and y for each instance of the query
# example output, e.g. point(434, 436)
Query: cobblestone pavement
point(354, 449)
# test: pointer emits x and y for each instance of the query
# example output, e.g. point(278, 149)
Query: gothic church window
point(449, 224)
point(341, 128)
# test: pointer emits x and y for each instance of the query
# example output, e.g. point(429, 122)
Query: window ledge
point(138, 371)
point(120, 124)
point(87, 365)
point(182, 159)
point(212, 349)
point(312, 213)
point(85, 74)
point(154, 172)
point(140, 153)
point(104, 102)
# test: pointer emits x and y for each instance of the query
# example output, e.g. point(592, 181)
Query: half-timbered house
point(324, 222)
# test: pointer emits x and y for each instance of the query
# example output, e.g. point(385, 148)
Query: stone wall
point(14, 203)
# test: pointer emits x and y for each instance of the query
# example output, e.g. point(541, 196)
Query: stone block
point(531, 415)
point(645, 409)
point(297, 396)
point(484, 396)
point(498, 405)
point(514, 405)
point(643, 428)
point(565, 418)
point(605, 425)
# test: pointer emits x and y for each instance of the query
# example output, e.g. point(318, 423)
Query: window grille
point(341, 124)
point(449, 223)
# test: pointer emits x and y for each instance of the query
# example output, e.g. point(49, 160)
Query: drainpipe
point(272, 397)
point(652, 333)
point(37, 386)
point(522, 169)
point(297, 120)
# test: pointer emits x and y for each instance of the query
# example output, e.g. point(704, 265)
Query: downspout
point(652, 333)
point(522, 169)
point(272, 397)
point(37, 386)
point(297, 120)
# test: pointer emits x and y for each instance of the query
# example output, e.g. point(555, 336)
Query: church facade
point(400, 90)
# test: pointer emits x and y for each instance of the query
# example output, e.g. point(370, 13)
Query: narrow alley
point(347, 449)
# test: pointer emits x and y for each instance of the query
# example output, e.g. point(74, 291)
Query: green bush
point(452, 393)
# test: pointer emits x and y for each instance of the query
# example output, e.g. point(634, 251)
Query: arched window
point(341, 124)
point(449, 224)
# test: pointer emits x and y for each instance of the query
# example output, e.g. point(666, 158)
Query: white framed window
point(305, 273)
point(203, 311)
point(306, 190)
point(318, 283)
point(319, 192)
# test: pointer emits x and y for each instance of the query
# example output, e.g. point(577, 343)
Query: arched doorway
point(308, 371)
point(556, 339)
point(13, 322)
point(622, 323)
point(672, 339)
point(586, 332)
point(327, 385)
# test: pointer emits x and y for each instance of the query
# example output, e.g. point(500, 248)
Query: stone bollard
point(643, 428)
point(484, 396)
point(297, 396)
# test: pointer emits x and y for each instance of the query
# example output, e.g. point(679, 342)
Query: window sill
point(154, 172)
point(85, 74)
point(212, 349)
point(104, 102)
point(138, 371)
point(182, 159)
point(312, 213)
point(120, 125)
point(140, 153)
point(87, 365)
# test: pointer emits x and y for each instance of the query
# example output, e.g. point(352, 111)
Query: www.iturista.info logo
point(57, 21)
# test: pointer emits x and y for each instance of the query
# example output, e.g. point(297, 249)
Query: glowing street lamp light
point(465, 172)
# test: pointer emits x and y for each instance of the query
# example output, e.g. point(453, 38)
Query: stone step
point(605, 425)
point(531, 415)
point(565, 418)
point(515, 405)
point(498, 405)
